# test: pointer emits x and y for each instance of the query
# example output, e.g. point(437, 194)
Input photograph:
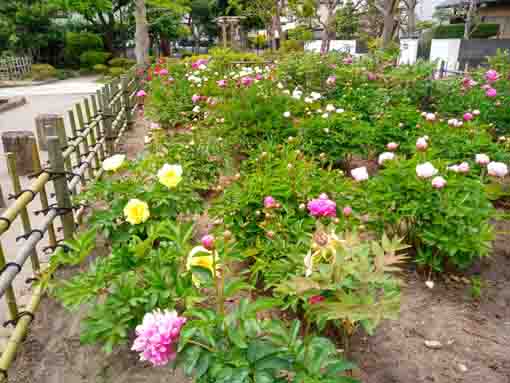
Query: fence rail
point(97, 125)
point(14, 68)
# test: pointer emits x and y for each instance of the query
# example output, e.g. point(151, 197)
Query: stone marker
point(45, 125)
point(20, 143)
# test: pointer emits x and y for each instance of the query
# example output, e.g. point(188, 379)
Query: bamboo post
point(99, 134)
point(43, 196)
point(10, 297)
point(81, 124)
point(92, 133)
point(20, 142)
point(2, 200)
point(74, 131)
point(25, 219)
point(107, 117)
point(127, 102)
point(62, 193)
point(62, 136)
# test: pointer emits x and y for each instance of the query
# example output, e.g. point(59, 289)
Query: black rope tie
point(31, 280)
point(60, 210)
point(20, 315)
point(27, 235)
point(63, 246)
point(10, 264)
point(16, 196)
point(8, 221)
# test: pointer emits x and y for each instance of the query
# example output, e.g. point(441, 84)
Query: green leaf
point(263, 377)
point(259, 349)
point(272, 362)
point(235, 285)
point(203, 364)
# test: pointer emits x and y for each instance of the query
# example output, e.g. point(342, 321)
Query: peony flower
point(208, 241)
point(286, 114)
point(316, 299)
point(491, 92)
point(421, 144)
point(426, 170)
point(258, 77)
point(170, 175)
point(476, 112)
point(141, 93)
point(430, 117)
point(347, 211)
point(114, 162)
point(308, 100)
point(279, 85)
point(482, 159)
point(360, 174)
point(315, 96)
point(296, 94)
point(269, 202)
point(468, 116)
point(330, 108)
point(196, 109)
point(331, 80)
point(325, 115)
point(322, 207)
point(385, 156)
point(497, 169)
point(136, 211)
point(203, 261)
point(392, 146)
point(221, 83)
point(468, 83)
point(491, 75)
point(340, 110)
point(163, 72)
point(247, 80)
point(195, 98)
point(371, 76)
point(347, 60)
point(464, 167)
point(438, 182)
point(158, 336)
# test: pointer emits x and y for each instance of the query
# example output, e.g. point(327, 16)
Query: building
point(490, 11)
point(425, 9)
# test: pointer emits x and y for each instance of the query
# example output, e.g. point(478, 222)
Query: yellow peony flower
point(170, 175)
point(204, 261)
point(114, 162)
point(136, 211)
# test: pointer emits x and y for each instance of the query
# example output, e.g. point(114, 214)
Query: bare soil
point(474, 333)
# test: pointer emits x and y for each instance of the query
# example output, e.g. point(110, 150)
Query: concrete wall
point(475, 52)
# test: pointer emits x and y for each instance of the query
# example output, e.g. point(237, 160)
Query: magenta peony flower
point(316, 299)
point(491, 75)
point(199, 63)
point(468, 116)
point(322, 207)
point(163, 72)
point(222, 83)
point(157, 336)
point(259, 77)
point(491, 92)
point(347, 60)
point(141, 93)
point(269, 202)
point(195, 98)
point(347, 211)
point(371, 76)
point(208, 241)
point(468, 83)
point(247, 80)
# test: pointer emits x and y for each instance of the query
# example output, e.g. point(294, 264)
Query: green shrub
point(456, 31)
point(63, 74)
point(43, 72)
point(78, 43)
point(101, 69)
point(116, 71)
point(292, 46)
point(90, 58)
point(121, 62)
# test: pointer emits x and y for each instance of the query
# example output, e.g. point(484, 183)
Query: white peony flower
point(340, 110)
point(114, 162)
point(360, 174)
point(386, 156)
point(286, 114)
point(482, 159)
point(497, 169)
point(315, 96)
point(426, 170)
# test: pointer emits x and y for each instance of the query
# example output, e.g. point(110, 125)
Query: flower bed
point(320, 177)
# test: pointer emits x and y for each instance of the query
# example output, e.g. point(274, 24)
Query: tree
point(390, 12)
point(410, 8)
point(141, 34)
point(348, 20)
point(470, 18)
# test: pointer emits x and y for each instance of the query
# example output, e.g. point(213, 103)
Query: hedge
point(456, 31)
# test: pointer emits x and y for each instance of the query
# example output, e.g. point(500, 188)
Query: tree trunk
point(469, 19)
point(411, 17)
point(165, 47)
point(141, 34)
point(388, 10)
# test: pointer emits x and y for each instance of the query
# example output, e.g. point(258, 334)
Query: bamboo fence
point(14, 68)
point(97, 125)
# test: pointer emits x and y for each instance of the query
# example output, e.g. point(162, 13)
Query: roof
point(458, 3)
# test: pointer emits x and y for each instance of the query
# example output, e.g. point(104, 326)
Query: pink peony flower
point(392, 146)
point(430, 117)
point(269, 202)
point(425, 170)
point(347, 60)
point(222, 83)
point(141, 93)
point(468, 116)
point(385, 156)
point(347, 211)
point(371, 76)
point(331, 80)
point(468, 83)
point(157, 336)
point(422, 144)
point(163, 72)
point(322, 207)
point(208, 241)
point(491, 75)
point(247, 80)
point(316, 299)
point(360, 174)
point(438, 182)
point(195, 98)
point(497, 169)
point(197, 64)
point(259, 77)
point(482, 159)
point(491, 92)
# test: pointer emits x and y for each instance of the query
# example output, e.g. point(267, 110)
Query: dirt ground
point(474, 335)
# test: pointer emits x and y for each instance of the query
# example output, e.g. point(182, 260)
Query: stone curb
point(29, 83)
point(12, 102)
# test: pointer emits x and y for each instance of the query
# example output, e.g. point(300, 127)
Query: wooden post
point(77, 150)
point(62, 192)
point(43, 196)
point(25, 219)
point(62, 136)
point(2, 200)
point(99, 134)
point(20, 143)
point(81, 124)
point(92, 134)
point(107, 118)
point(45, 125)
